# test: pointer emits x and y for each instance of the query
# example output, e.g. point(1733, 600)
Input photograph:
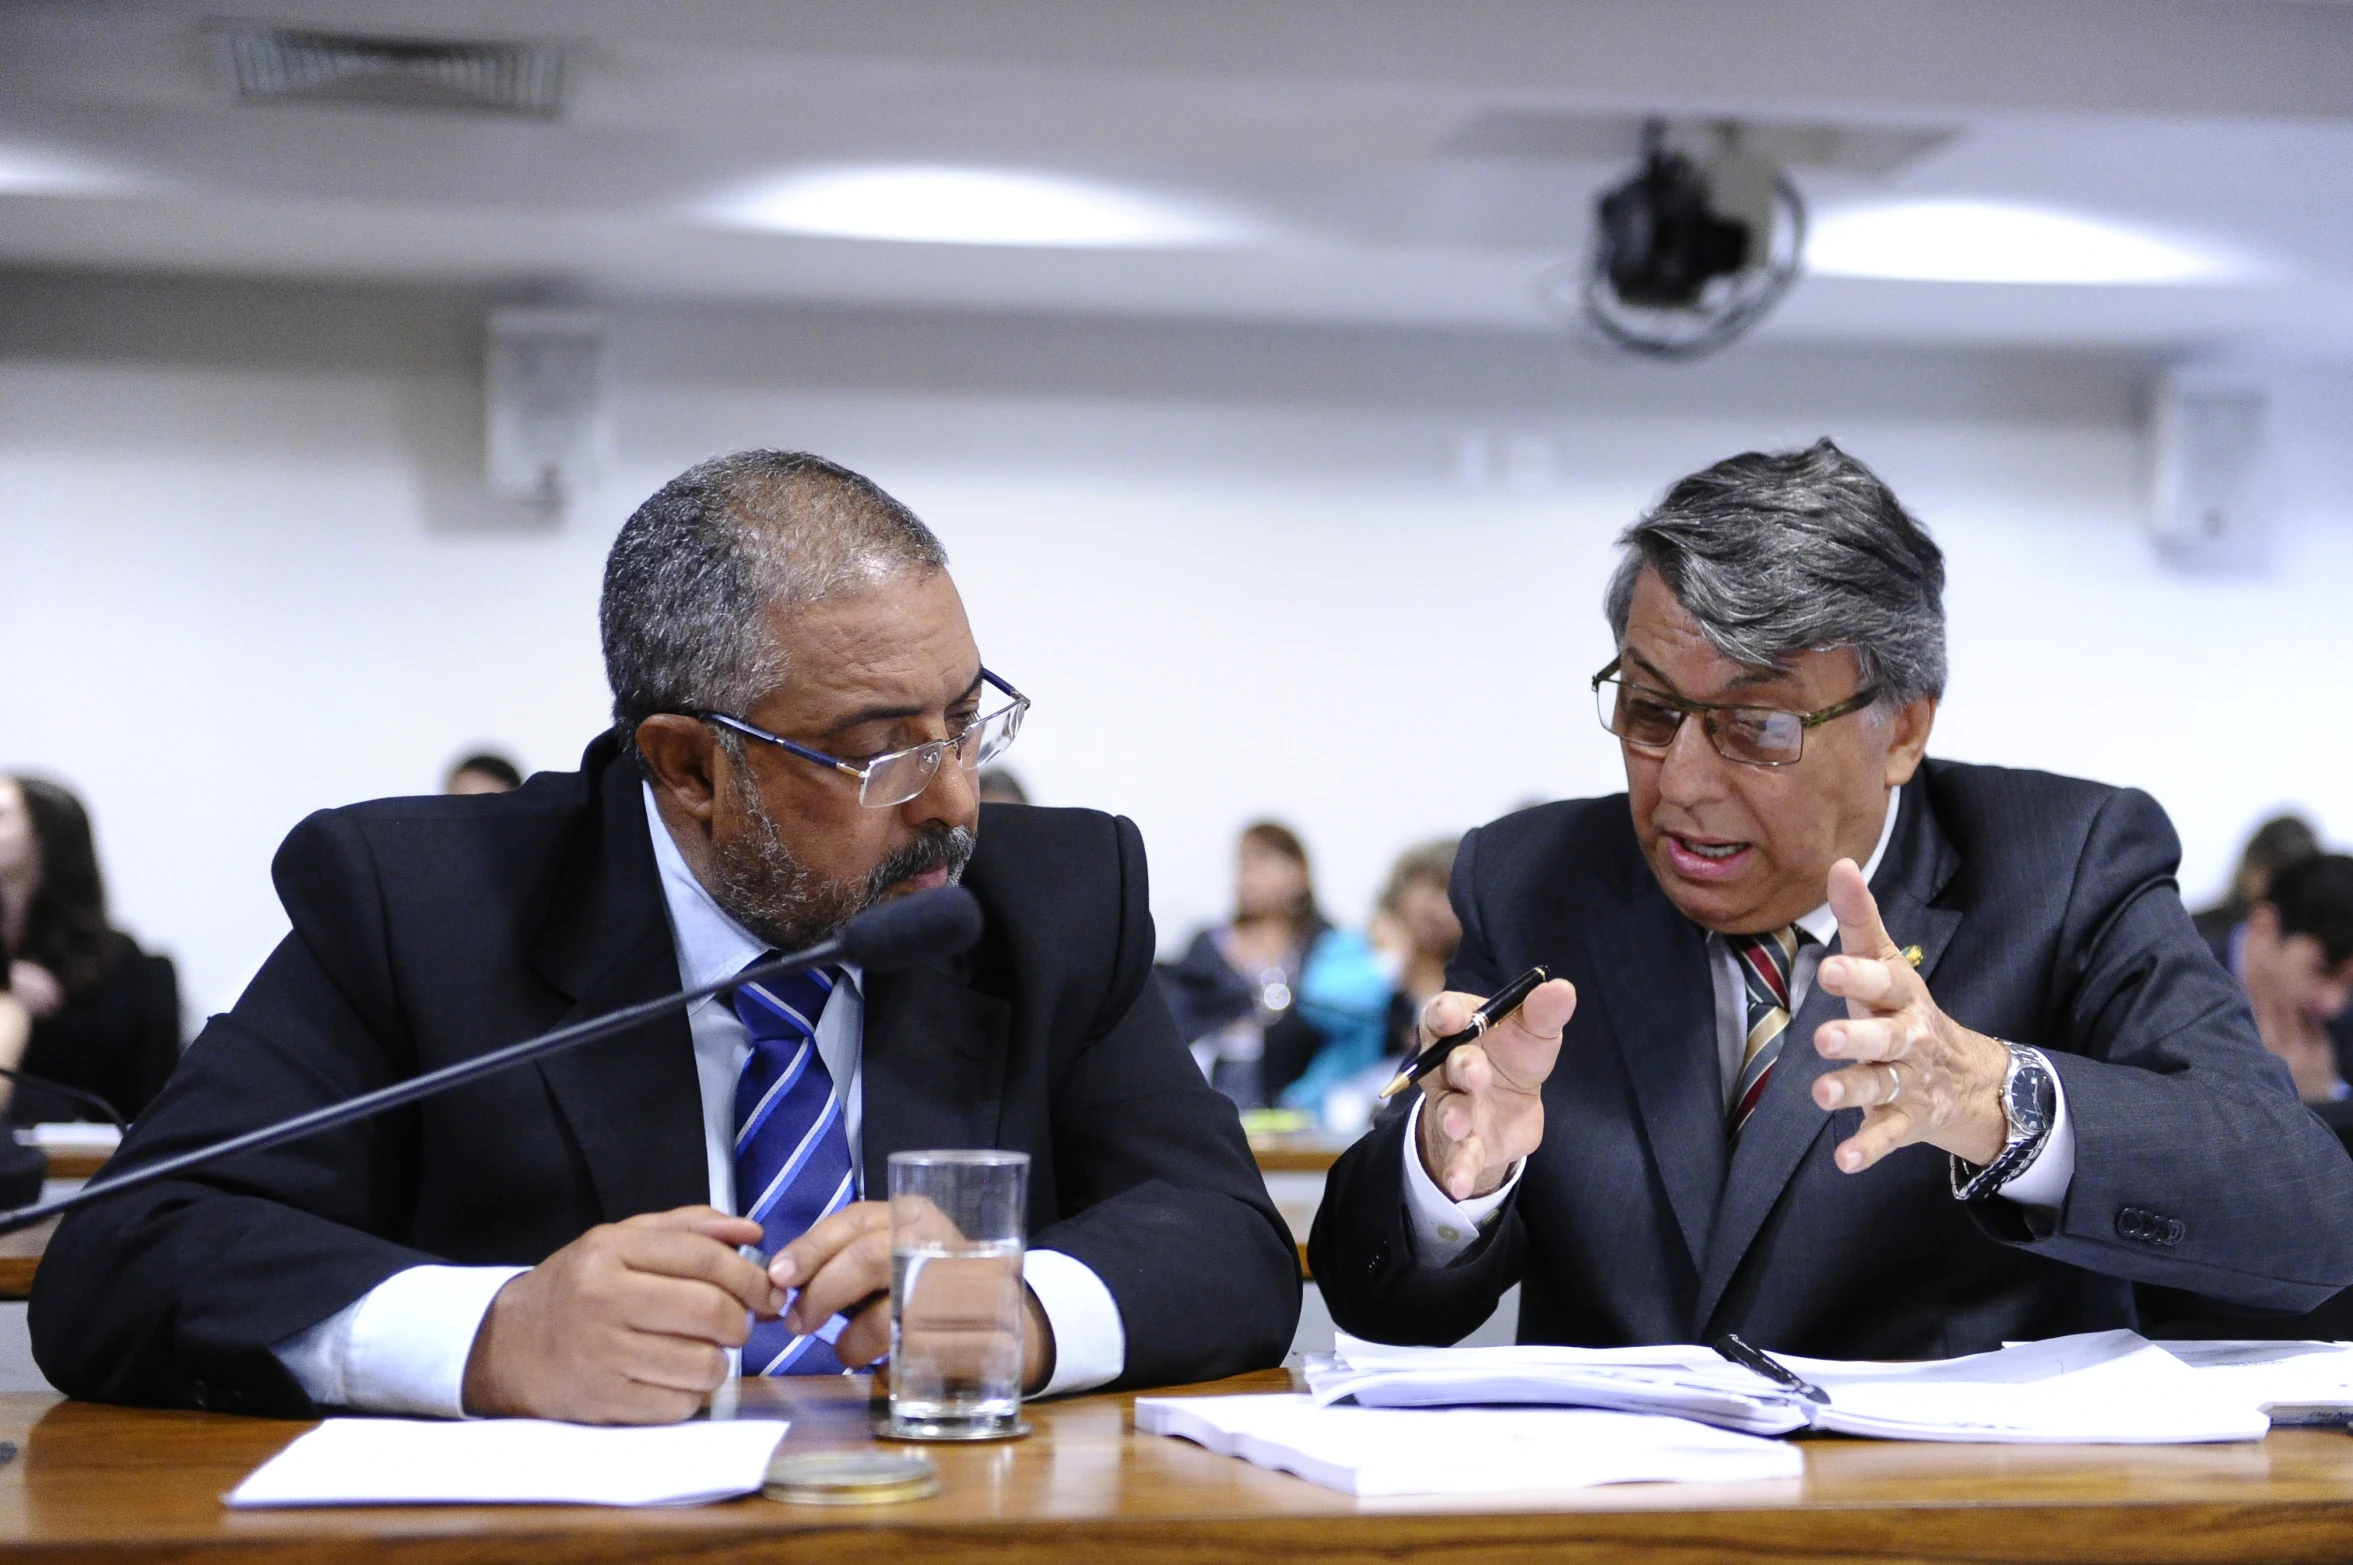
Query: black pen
point(1762, 1363)
point(1500, 1005)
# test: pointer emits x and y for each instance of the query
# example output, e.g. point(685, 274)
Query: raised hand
point(1483, 1110)
point(1920, 1075)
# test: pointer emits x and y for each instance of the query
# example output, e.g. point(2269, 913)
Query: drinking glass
point(957, 1222)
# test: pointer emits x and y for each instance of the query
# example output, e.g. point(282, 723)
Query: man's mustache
point(939, 847)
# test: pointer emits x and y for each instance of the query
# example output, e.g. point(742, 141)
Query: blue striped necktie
point(792, 1153)
point(1765, 963)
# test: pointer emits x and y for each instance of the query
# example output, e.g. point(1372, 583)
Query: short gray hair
point(695, 569)
point(1781, 552)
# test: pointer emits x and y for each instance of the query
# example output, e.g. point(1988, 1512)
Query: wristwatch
point(2030, 1100)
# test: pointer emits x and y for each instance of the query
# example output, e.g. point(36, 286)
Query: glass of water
point(957, 1223)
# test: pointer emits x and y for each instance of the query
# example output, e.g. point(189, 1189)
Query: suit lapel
point(1786, 1124)
point(632, 1101)
point(933, 1067)
point(1650, 965)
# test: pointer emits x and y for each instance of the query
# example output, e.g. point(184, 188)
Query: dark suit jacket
point(2046, 913)
point(429, 930)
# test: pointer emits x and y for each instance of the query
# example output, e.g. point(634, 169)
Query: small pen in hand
point(1762, 1363)
point(1505, 1001)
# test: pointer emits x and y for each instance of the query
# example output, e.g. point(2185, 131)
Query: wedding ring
point(1895, 1081)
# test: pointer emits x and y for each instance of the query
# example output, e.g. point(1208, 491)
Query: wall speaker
point(547, 401)
point(2213, 486)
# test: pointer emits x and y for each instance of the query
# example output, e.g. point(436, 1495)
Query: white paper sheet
point(1389, 1451)
point(512, 1461)
point(2110, 1387)
point(2293, 1382)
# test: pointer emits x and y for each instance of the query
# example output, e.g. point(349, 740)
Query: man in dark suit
point(1852, 1052)
point(800, 709)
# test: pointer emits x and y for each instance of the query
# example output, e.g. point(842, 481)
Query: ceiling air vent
point(289, 65)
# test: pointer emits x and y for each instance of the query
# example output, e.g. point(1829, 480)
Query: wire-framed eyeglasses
point(1647, 720)
point(886, 781)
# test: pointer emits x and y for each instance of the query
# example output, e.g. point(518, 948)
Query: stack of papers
point(2293, 1382)
point(2112, 1387)
point(1385, 1451)
point(512, 1461)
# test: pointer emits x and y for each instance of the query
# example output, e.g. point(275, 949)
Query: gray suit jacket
point(2046, 913)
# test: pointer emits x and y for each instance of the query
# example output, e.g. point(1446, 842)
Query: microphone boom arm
point(401, 1093)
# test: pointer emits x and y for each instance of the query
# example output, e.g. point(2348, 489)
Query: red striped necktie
point(1765, 961)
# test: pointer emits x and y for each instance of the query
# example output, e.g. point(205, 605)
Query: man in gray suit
point(1854, 1052)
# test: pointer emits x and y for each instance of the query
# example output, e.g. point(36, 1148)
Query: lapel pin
point(1912, 955)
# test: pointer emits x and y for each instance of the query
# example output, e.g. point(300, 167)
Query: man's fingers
point(852, 1273)
point(676, 1363)
point(1883, 1131)
point(1860, 932)
point(867, 1337)
point(805, 1256)
point(674, 1252)
point(1858, 1086)
point(1868, 981)
point(1873, 1038)
point(1466, 1070)
point(1462, 1167)
point(708, 1221)
point(1448, 1013)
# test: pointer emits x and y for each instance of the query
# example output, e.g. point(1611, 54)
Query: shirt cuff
point(1090, 1341)
point(402, 1346)
point(2044, 1180)
point(1443, 1227)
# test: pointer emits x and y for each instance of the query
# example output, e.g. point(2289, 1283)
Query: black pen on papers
point(1500, 1005)
point(1763, 1363)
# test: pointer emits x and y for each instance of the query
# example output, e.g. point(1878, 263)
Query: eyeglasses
point(885, 781)
point(1752, 735)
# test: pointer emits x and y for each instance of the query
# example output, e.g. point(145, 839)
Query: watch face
point(2030, 1098)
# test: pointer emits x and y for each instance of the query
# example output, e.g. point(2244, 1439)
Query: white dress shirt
point(402, 1346)
point(1443, 1228)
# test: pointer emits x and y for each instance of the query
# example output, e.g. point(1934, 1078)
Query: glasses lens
point(1637, 716)
point(1760, 736)
point(990, 737)
point(894, 779)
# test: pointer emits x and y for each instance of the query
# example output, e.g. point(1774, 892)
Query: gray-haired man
point(1853, 1052)
point(799, 708)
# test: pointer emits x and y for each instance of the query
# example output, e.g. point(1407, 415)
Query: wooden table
point(20, 1257)
point(98, 1483)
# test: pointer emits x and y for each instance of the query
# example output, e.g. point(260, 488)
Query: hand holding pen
point(1481, 1109)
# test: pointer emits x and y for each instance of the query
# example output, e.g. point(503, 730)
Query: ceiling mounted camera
point(1690, 252)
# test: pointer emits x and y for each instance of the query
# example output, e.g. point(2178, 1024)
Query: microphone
point(886, 937)
point(912, 929)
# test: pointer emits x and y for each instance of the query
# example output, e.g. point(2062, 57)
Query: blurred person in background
point(105, 1015)
point(2293, 953)
point(2277, 843)
point(1278, 1004)
point(483, 773)
point(998, 785)
point(1415, 931)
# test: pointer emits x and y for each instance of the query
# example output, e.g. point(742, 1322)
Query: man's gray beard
point(760, 885)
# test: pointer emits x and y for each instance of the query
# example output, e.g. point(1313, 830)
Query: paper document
point(1386, 1451)
point(2293, 1382)
point(2106, 1388)
point(512, 1461)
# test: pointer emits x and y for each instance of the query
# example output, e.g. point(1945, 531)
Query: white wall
point(246, 569)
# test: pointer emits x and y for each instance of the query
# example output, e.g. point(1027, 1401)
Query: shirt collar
point(1822, 923)
point(712, 946)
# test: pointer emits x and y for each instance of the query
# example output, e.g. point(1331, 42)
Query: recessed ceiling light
point(973, 206)
point(36, 171)
point(1993, 242)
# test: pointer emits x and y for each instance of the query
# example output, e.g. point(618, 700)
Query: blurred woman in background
point(1415, 931)
point(105, 1015)
point(1278, 1005)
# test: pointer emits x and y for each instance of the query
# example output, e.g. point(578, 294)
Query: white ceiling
point(1331, 129)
